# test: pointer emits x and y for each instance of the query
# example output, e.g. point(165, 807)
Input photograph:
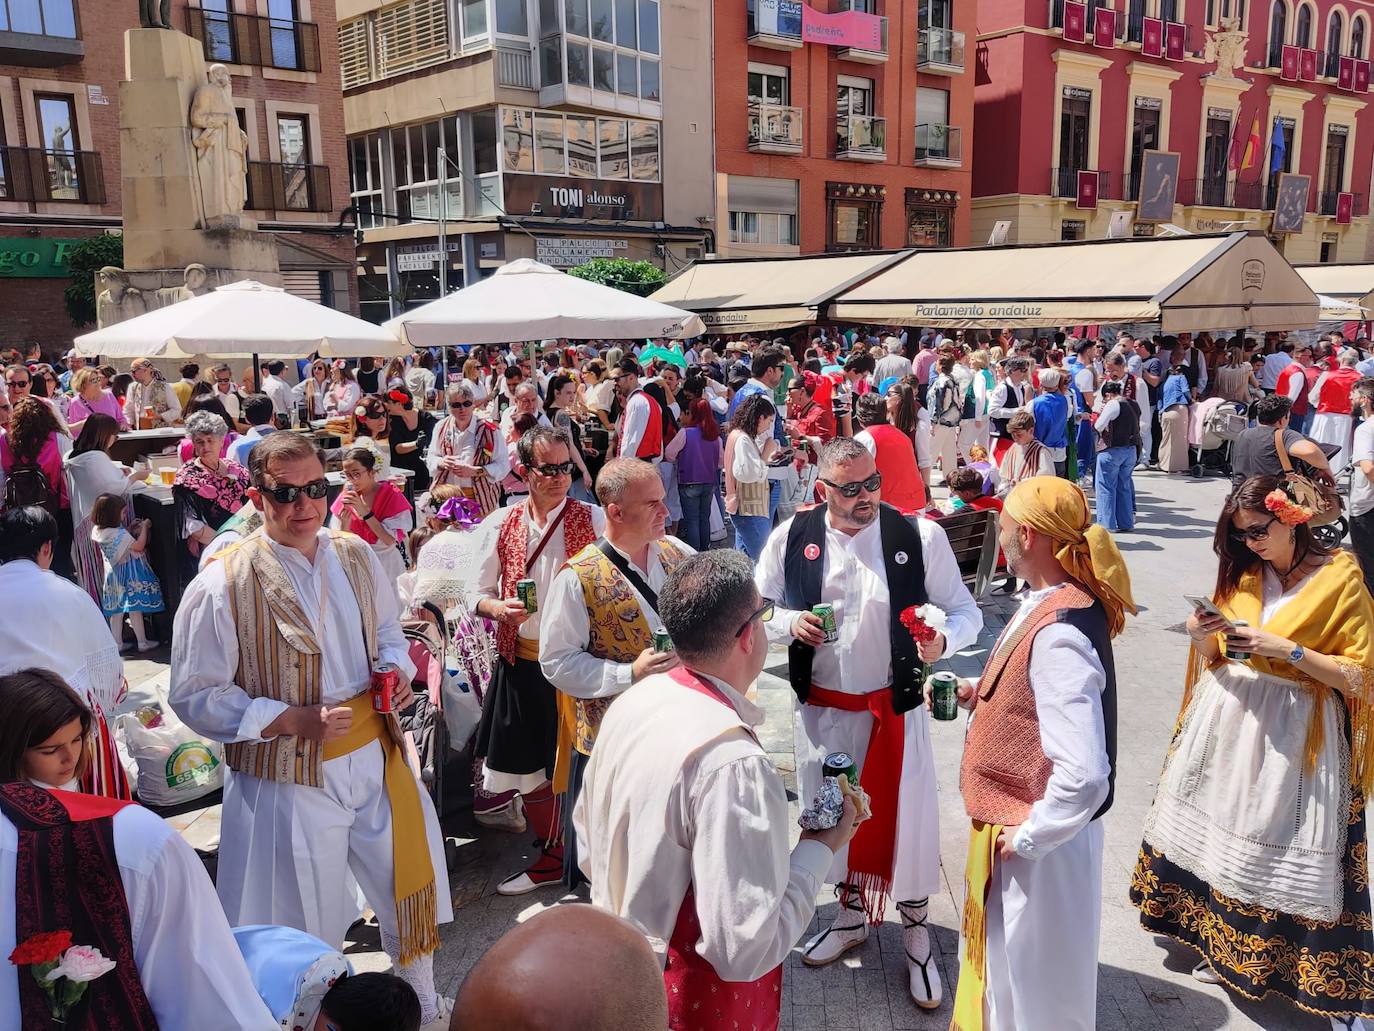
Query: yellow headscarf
point(1057, 508)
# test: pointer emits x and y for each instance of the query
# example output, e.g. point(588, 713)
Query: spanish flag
point(1252, 146)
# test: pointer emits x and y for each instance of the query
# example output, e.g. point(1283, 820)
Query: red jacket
point(896, 460)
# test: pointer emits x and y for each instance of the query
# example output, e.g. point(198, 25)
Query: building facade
point(60, 67)
point(490, 130)
point(1243, 92)
point(845, 144)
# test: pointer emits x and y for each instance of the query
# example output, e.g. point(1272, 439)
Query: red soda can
point(386, 681)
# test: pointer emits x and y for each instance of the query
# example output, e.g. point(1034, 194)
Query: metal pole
point(443, 252)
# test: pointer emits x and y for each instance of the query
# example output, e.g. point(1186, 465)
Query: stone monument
point(183, 165)
point(1226, 46)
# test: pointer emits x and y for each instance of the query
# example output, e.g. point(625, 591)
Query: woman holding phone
point(1255, 849)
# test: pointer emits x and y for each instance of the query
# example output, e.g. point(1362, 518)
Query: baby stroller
point(424, 721)
point(1222, 424)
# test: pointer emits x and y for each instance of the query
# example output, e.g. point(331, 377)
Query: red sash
point(67, 879)
point(698, 999)
point(872, 852)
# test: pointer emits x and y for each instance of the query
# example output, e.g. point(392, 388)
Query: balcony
point(287, 189)
point(1064, 182)
point(1134, 23)
point(940, 51)
point(860, 138)
point(1216, 192)
point(775, 129)
point(864, 55)
point(251, 39)
point(1276, 54)
point(783, 34)
point(1328, 202)
point(1331, 64)
point(51, 176)
point(939, 146)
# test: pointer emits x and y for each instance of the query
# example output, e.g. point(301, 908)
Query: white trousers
point(944, 448)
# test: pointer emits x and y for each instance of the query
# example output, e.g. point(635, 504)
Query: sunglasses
point(763, 613)
point(554, 469)
point(851, 490)
point(1252, 534)
point(459, 406)
point(288, 493)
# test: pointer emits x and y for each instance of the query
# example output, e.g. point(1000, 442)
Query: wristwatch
point(367, 515)
point(1297, 654)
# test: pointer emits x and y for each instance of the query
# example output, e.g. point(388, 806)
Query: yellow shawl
point(1332, 614)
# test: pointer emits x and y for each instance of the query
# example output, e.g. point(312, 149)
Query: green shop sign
point(34, 256)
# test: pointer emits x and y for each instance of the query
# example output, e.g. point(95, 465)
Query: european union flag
point(1278, 148)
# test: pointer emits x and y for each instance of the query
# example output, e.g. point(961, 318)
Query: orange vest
point(1004, 768)
point(896, 460)
point(1335, 394)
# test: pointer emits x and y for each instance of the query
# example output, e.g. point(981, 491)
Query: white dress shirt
point(563, 653)
point(1273, 365)
point(1001, 404)
point(635, 424)
point(280, 392)
point(542, 572)
point(465, 446)
point(189, 965)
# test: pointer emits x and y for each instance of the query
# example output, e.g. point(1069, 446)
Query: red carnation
point(41, 948)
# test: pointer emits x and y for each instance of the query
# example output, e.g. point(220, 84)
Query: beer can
point(944, 688)
point(1238, 656)
point(662, 642)
point(827, 613)
point(386, 681)
point(525, 591)
point(841, 764)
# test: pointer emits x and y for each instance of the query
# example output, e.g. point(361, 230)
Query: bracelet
point(366, 517)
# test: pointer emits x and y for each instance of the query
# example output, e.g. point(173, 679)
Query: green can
point(662, 642)
point(944, 689)
point(827, 613)
point(1238, 656)
point(841, 764)
point(526, 592)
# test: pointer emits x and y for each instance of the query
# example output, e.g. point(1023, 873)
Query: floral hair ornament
point(399, 396)
point(1285, 509)
point(466, 512)
point(360, 412)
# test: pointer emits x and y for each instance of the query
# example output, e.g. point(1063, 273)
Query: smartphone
point(1205, 605)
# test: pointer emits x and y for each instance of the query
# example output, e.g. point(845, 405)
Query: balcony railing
point(51, 176)
point(1135, 27)
point(775, 128)
point(939, 146)
point(861, 138)
point(1216, 192)
point(1270, 193)
point(1064, 182)
point(514, 67)
point(286, 188)
point(940, 50)
point(1331, 64)
point(1328, 202)
point(775, 37)
point(251, 39)
point(1276, 53)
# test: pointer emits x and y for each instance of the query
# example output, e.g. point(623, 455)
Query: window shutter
point(411, 35)
point(353, 58)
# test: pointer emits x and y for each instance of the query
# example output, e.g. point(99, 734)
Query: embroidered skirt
point(518, 735)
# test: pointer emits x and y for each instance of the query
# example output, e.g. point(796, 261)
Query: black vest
point(1125, 428)
point(1014, 393)
point(906, 586)
point(1092, 624)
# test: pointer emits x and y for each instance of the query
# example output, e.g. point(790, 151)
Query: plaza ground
point(1143, 985)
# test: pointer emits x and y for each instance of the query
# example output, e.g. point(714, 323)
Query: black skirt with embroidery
point(519, 730)
point(1323, 968)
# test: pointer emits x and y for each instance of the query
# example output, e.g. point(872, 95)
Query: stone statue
point(193, 284)
point(1226, 47)
point(221, 150)
point(153, 14)
point(115, 299)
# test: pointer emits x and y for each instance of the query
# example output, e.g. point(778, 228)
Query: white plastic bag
point(175, 764)
point(462, 710)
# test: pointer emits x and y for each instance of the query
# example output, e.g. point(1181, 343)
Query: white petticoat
point(1235, 805)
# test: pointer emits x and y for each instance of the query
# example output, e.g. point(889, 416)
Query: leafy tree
point(85, 260)
point(634, 277)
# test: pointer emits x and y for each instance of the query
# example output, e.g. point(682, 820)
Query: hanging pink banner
point(856, 29)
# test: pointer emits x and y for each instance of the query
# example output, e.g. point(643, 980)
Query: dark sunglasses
point(1252, 533)
point(460, 405)
point(763, 613)
point(554, 469)
point(851, 490)
point(287, 494)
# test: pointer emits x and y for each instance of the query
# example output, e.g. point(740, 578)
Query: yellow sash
point(416, 900)
point(973, 934)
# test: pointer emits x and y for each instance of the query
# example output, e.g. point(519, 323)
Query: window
point(517, 139)
point(1169, 10)
point(219, 40)
point(762, 211)
point(648, 26)
point(615, 156)
point(1135, 20)
point(853, 224)
point(1302, 35)
point(1074, 122)
point(1357, 34)
point(768, 84)
point(365, 179)
point(579, 64)
point(1333, 168)
point(932, 106)
point(648, 80)
point(282, 18)
point(1335, 30)
point(936, 14)
point(418, 170)
point(575, 17)
point(549, 158)
point(512, 18)
point(293, 141)
point(581, 134)
point(40, 17)
point(474, 13)
point(581, 146)
point(853, 96)
point(603, 69)
point(626, 77)
point(1216, 150)
point(57, 122)
point(602, 20)
point(1144, 136)
point(928, 225)
point(765, 227)
point(625, 34)
point(644, 151)
point(551, 59)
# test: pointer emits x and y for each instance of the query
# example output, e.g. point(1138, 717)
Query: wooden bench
point(973, 537)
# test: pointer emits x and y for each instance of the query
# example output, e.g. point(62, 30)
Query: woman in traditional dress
point(1255, 852)
point(1330, 399)
point(313, 391)
point(372, 430)
point(408, 434)
point(344, 393)
point(747, 451)
point(90, 472)
point(207, 490)
point(374, 509)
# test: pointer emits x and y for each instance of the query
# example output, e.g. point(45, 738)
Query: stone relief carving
point(221, 151)
point(122, 295)
point(1226, 46)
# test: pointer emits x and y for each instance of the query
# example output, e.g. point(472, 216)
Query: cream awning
point(1352, 283)
point(759, 295)
point(1185, 283)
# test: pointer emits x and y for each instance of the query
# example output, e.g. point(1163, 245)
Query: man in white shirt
point(682, 823)
point(892, 365)
point(1362, 479)
point(227, 393)
point(526, 402)
point(464, 449)
point(600, 616)
point(1037, 772)
point(277, 388)
point(860, 693)
point(640, 431)
point(1012, 395)
point(150, 390)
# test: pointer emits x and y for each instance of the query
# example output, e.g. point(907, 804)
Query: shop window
point(615, 154)
point(1073, 229)
point(929, 218)
point(853, 217)
point(581, 134)
point(517, 139)
point(644, 151)
point(549, 158)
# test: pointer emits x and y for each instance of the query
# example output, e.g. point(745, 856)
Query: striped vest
point(619, 627)
point(279, 657)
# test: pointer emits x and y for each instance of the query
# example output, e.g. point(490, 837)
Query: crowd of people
point(609, 539)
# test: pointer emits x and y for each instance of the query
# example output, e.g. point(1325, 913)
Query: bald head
point(574, 967)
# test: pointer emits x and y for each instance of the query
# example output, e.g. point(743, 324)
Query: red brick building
point(61, 63)
point(1195, 78)
point(842, 147)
